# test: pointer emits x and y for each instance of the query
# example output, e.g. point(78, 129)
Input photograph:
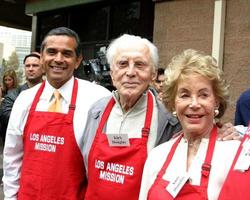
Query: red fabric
point(188, 192)
point(236, 185)
point(130, 160)
point(56, 172)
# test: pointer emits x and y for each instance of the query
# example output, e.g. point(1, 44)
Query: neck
point(192, 136)
point(33, 83)
point(194, 140)
point(128, 103)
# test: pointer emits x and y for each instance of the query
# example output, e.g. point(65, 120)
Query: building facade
point(183, 24)
point(217, 27)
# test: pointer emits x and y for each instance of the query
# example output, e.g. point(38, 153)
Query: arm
point(93, 120)
point(7, 105)
point(13, 149)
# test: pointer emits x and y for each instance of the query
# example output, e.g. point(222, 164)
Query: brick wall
point(182, 24)
point(237, 49)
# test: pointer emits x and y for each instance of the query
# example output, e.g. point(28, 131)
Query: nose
point(58, 57)
point(194, 103)
point(131, 70)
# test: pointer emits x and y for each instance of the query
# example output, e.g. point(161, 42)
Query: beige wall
point(237, 49)
point(182, 24)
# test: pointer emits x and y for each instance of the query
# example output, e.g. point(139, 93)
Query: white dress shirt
point(223, 156)
point(87, 94)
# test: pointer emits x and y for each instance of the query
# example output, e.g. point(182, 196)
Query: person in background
point(123, 128)
point(205, 161)
point(10, 84)
point(242, 113)
point(10, 81)
point(158, 82)
point(33, 73)
point(42, 157)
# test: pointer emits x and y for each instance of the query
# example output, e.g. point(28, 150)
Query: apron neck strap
point(206, 166)
point(207, 163)
point(72, 103)
point(148, 117)
point(149, 112)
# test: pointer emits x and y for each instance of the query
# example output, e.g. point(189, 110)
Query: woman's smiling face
point(195, 103)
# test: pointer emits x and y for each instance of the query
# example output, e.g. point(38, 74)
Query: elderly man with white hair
point(122, 128)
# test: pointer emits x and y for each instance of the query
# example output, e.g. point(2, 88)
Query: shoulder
point(88, 93)
point(165, 114)
point(162, 149)
point(245, 96)
point(12, 95)
point(87, 86)
point(157, 156)
point(29, 93)
point(23, 87)
point(99, 106)
point(229, 147)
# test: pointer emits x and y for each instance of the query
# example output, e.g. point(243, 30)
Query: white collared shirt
point(223, 156)
point(88, 93)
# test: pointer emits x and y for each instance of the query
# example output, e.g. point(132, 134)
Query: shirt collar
point(64, 90)
point(139, 105)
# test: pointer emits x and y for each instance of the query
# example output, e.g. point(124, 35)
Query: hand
point(228, 132)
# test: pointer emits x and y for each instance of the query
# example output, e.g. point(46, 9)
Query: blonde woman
point(194, 164)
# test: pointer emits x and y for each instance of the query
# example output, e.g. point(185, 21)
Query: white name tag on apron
point(175, 185)
point(118, 140)
point(243, 161)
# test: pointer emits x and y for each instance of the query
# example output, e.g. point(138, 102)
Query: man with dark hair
point(42, 156)
point(158, 81)
point(33, 74)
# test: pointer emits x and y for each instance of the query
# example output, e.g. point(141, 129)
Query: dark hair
point(33, 54)
point(63, 31)
point(160, 71)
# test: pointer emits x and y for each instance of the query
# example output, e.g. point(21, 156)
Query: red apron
point(188, 192)
point(236, 185)
point(116, 172)
point(53, 165)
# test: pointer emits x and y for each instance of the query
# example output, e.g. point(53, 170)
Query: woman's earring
point(216, 112)
point(174, 114)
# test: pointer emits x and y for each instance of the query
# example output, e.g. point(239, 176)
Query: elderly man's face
point(132, 71)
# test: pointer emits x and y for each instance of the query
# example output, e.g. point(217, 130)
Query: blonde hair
point(191, 61)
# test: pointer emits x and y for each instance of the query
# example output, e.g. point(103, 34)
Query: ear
point(153, 76)
point(217, 104)
point(41, 61)
point(78, 61)
point(111, 75)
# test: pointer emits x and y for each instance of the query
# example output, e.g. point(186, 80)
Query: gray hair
point(130, 41)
